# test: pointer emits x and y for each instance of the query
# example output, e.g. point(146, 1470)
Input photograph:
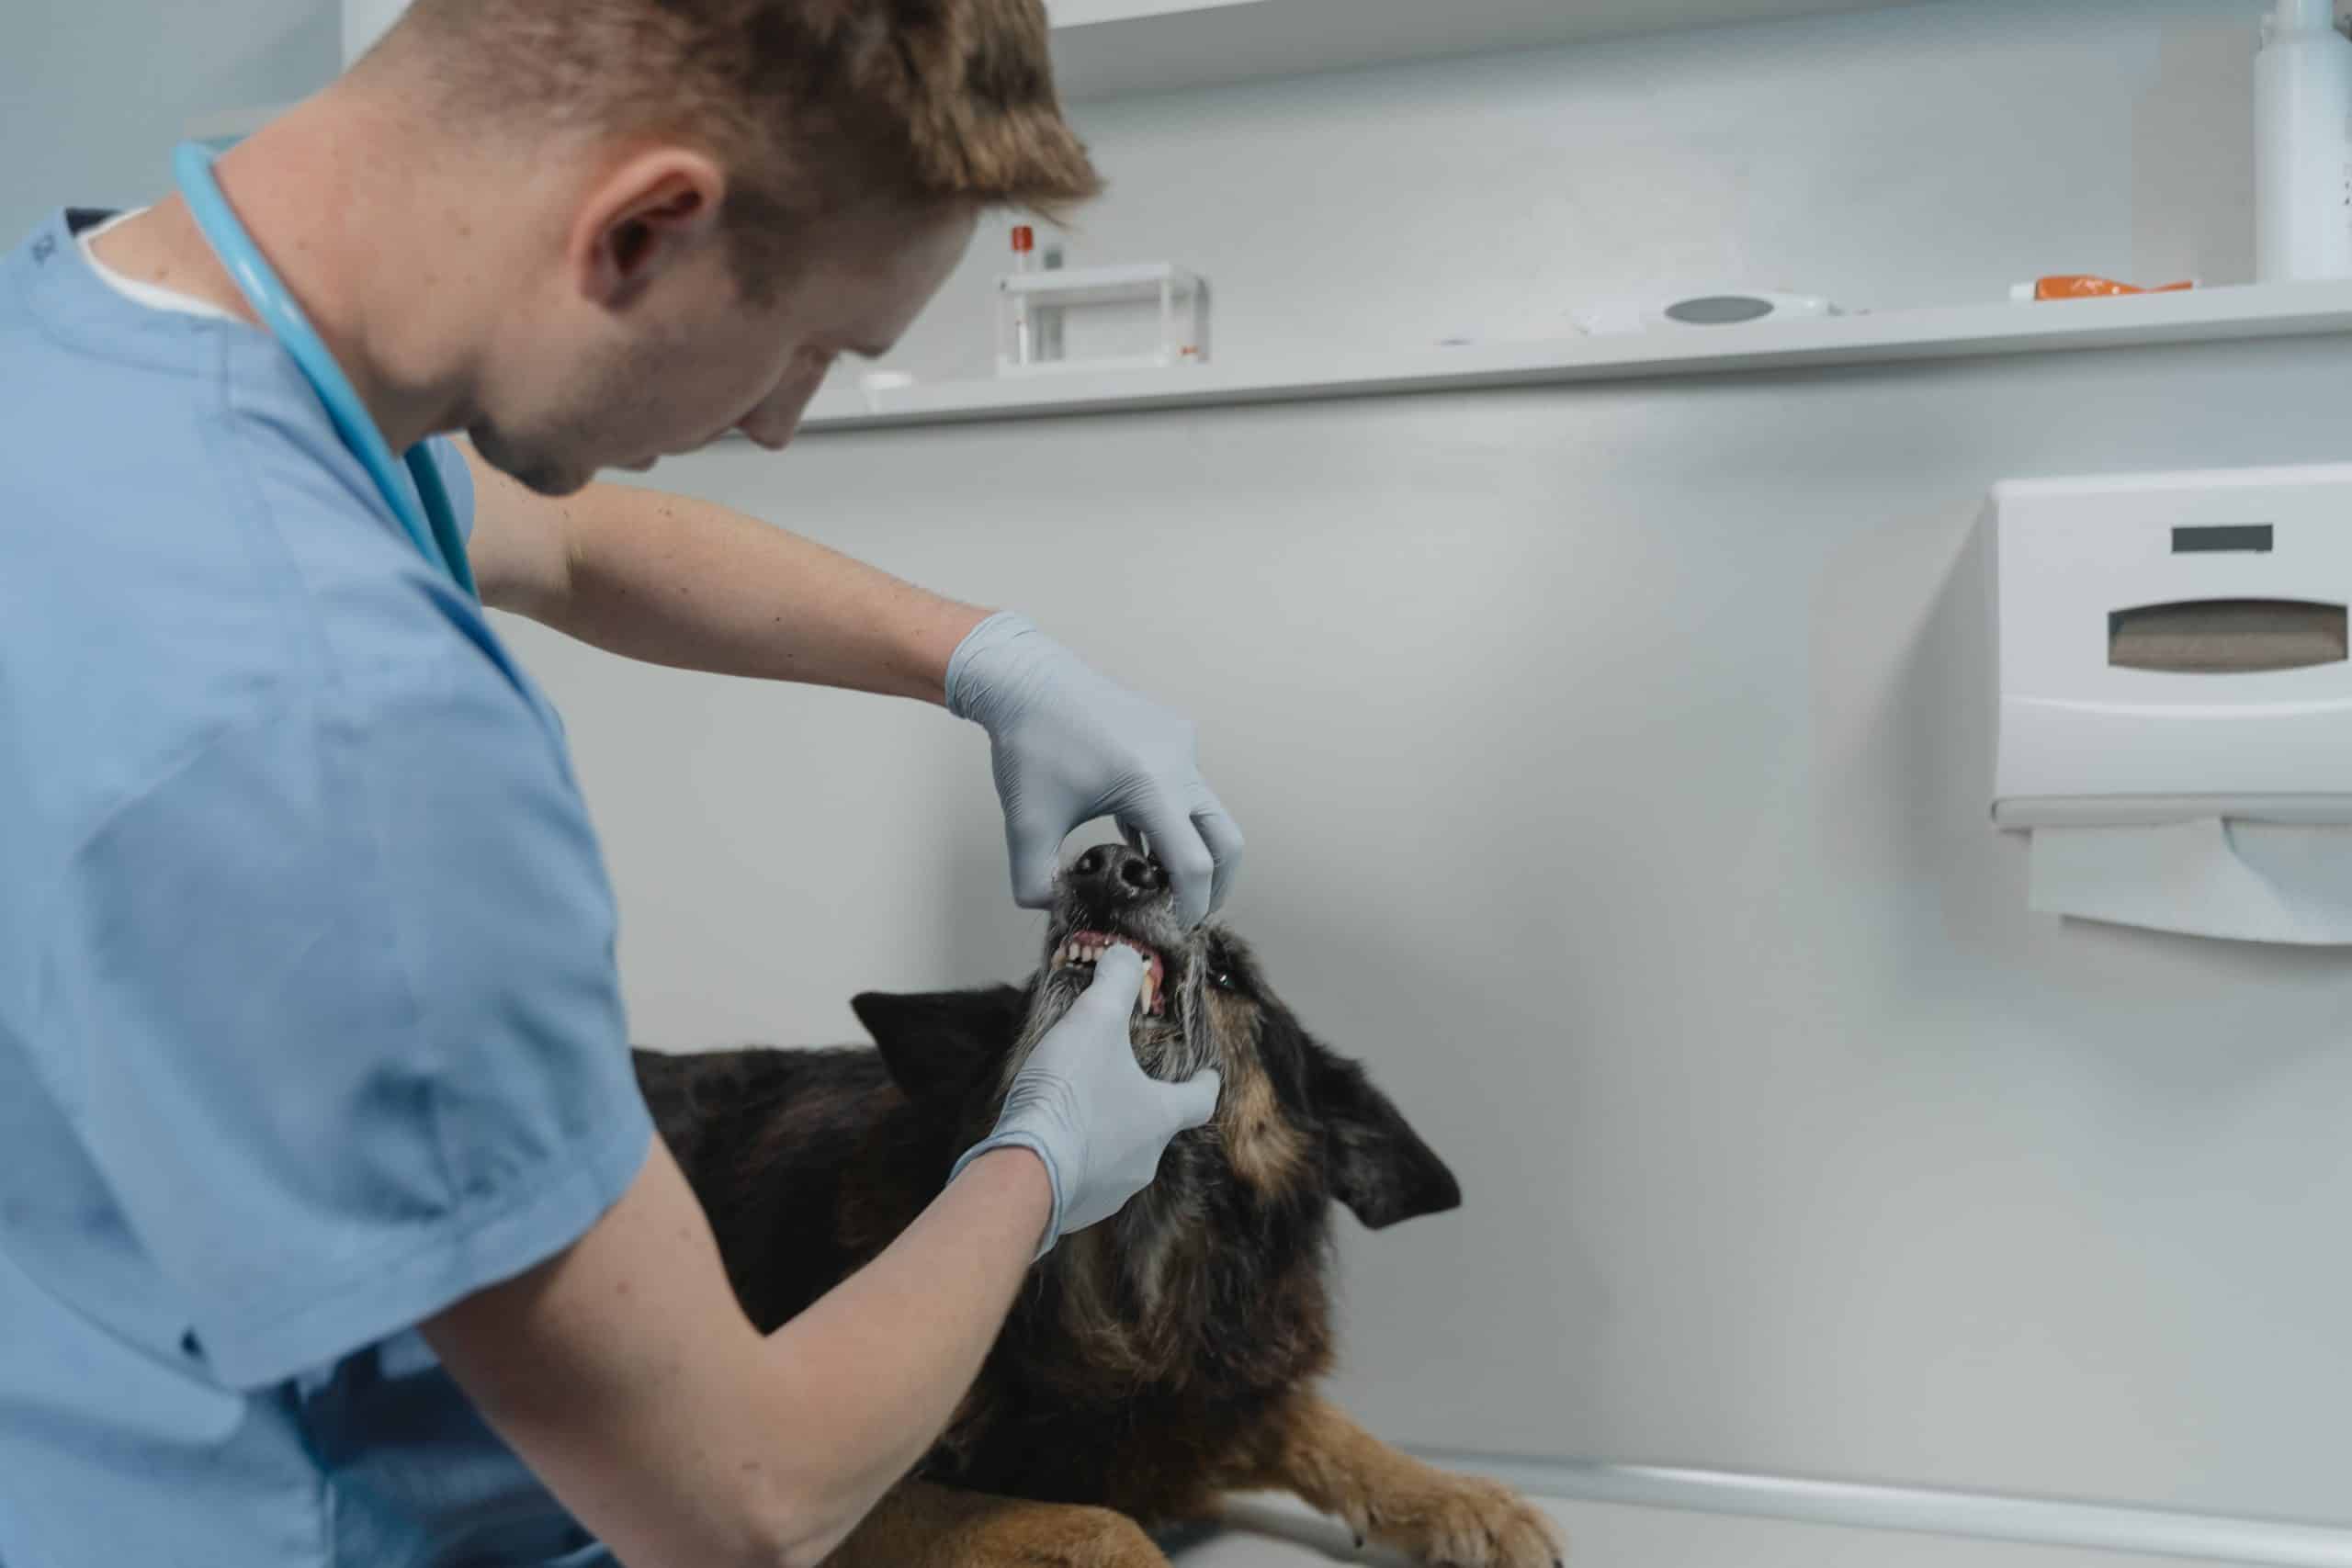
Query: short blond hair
point(810, 105)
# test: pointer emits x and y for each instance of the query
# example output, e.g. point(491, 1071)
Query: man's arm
point(688, 583)
point(628, 1377)
point(673, 581)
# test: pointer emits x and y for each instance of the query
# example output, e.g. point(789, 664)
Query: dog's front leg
point(923, 1526)
point(1312, 1450)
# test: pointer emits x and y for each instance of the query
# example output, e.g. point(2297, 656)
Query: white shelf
point(1260, 1530)
point(2283, 310)
point(1109, 48)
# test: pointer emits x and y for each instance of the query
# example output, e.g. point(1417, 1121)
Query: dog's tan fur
point(1265, 1149)
point(923, 1526)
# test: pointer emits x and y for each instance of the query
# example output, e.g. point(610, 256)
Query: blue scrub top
point(308, 1019)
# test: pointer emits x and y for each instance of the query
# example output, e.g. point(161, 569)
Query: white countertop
point(1279, 1533)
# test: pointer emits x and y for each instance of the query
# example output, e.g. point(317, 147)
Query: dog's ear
point(941, 1046)
point(1378, 1165)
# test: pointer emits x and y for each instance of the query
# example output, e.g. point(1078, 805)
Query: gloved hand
point(1081, 1104)
point(1069, 746)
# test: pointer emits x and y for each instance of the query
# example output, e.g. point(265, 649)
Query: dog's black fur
point(1145, 1353)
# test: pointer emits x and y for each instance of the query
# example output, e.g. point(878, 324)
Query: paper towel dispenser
point(2174, 647)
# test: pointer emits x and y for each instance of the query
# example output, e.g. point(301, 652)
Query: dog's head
point(1294, 1120)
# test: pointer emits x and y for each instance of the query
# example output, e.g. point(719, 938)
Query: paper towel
point(2241, 881)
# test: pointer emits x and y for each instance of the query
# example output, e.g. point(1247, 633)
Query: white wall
point(1616, 761)
point(365, 21)
point(95, 93)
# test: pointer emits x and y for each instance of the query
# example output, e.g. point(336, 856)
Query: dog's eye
point(1222, 980)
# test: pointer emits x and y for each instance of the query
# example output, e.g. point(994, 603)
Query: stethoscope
point(425, 513)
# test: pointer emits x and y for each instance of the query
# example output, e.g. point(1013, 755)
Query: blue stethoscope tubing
point(425, 514)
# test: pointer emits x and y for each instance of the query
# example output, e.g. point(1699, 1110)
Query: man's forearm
point(882, 1360)
point(674, 580)
point(627, 1376)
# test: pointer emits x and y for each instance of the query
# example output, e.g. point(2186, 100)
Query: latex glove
point(1080, 1104)
point(1069, 746)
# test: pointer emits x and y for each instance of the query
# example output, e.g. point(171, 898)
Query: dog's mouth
point(1163, 1020)
point(1083, 949)
point(1109, 897)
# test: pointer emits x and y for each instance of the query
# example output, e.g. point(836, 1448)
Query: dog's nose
point(1114, 874)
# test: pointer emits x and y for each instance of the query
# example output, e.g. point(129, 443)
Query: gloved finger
point(1223, 837)
point(1134, 836)
point(1176, 844)
point(1034, 842)
point(1194, 1101)
point(1117, 982)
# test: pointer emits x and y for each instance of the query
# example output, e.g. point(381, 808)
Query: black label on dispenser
point(2222, 538)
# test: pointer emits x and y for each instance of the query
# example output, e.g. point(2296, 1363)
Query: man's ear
point(645, 214)
point(942, 1047)
point(1377, 1164)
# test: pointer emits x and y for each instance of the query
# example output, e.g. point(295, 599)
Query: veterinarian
point(332, 1229)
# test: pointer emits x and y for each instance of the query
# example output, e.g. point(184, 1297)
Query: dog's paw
point(1463, 1521)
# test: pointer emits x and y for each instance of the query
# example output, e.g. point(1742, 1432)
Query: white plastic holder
point(2302, 146)
point(1147, 316)
point(2172, 647)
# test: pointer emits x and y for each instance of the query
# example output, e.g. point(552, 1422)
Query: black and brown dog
point(1153, 1362)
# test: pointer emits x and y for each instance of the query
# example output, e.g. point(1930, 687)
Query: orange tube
point(2082, 285)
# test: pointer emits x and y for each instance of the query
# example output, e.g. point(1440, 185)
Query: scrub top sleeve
point(348, 985)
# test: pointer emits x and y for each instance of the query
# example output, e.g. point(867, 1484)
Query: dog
point(1152, 1362)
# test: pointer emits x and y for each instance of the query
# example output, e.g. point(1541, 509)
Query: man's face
point(584, 386)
